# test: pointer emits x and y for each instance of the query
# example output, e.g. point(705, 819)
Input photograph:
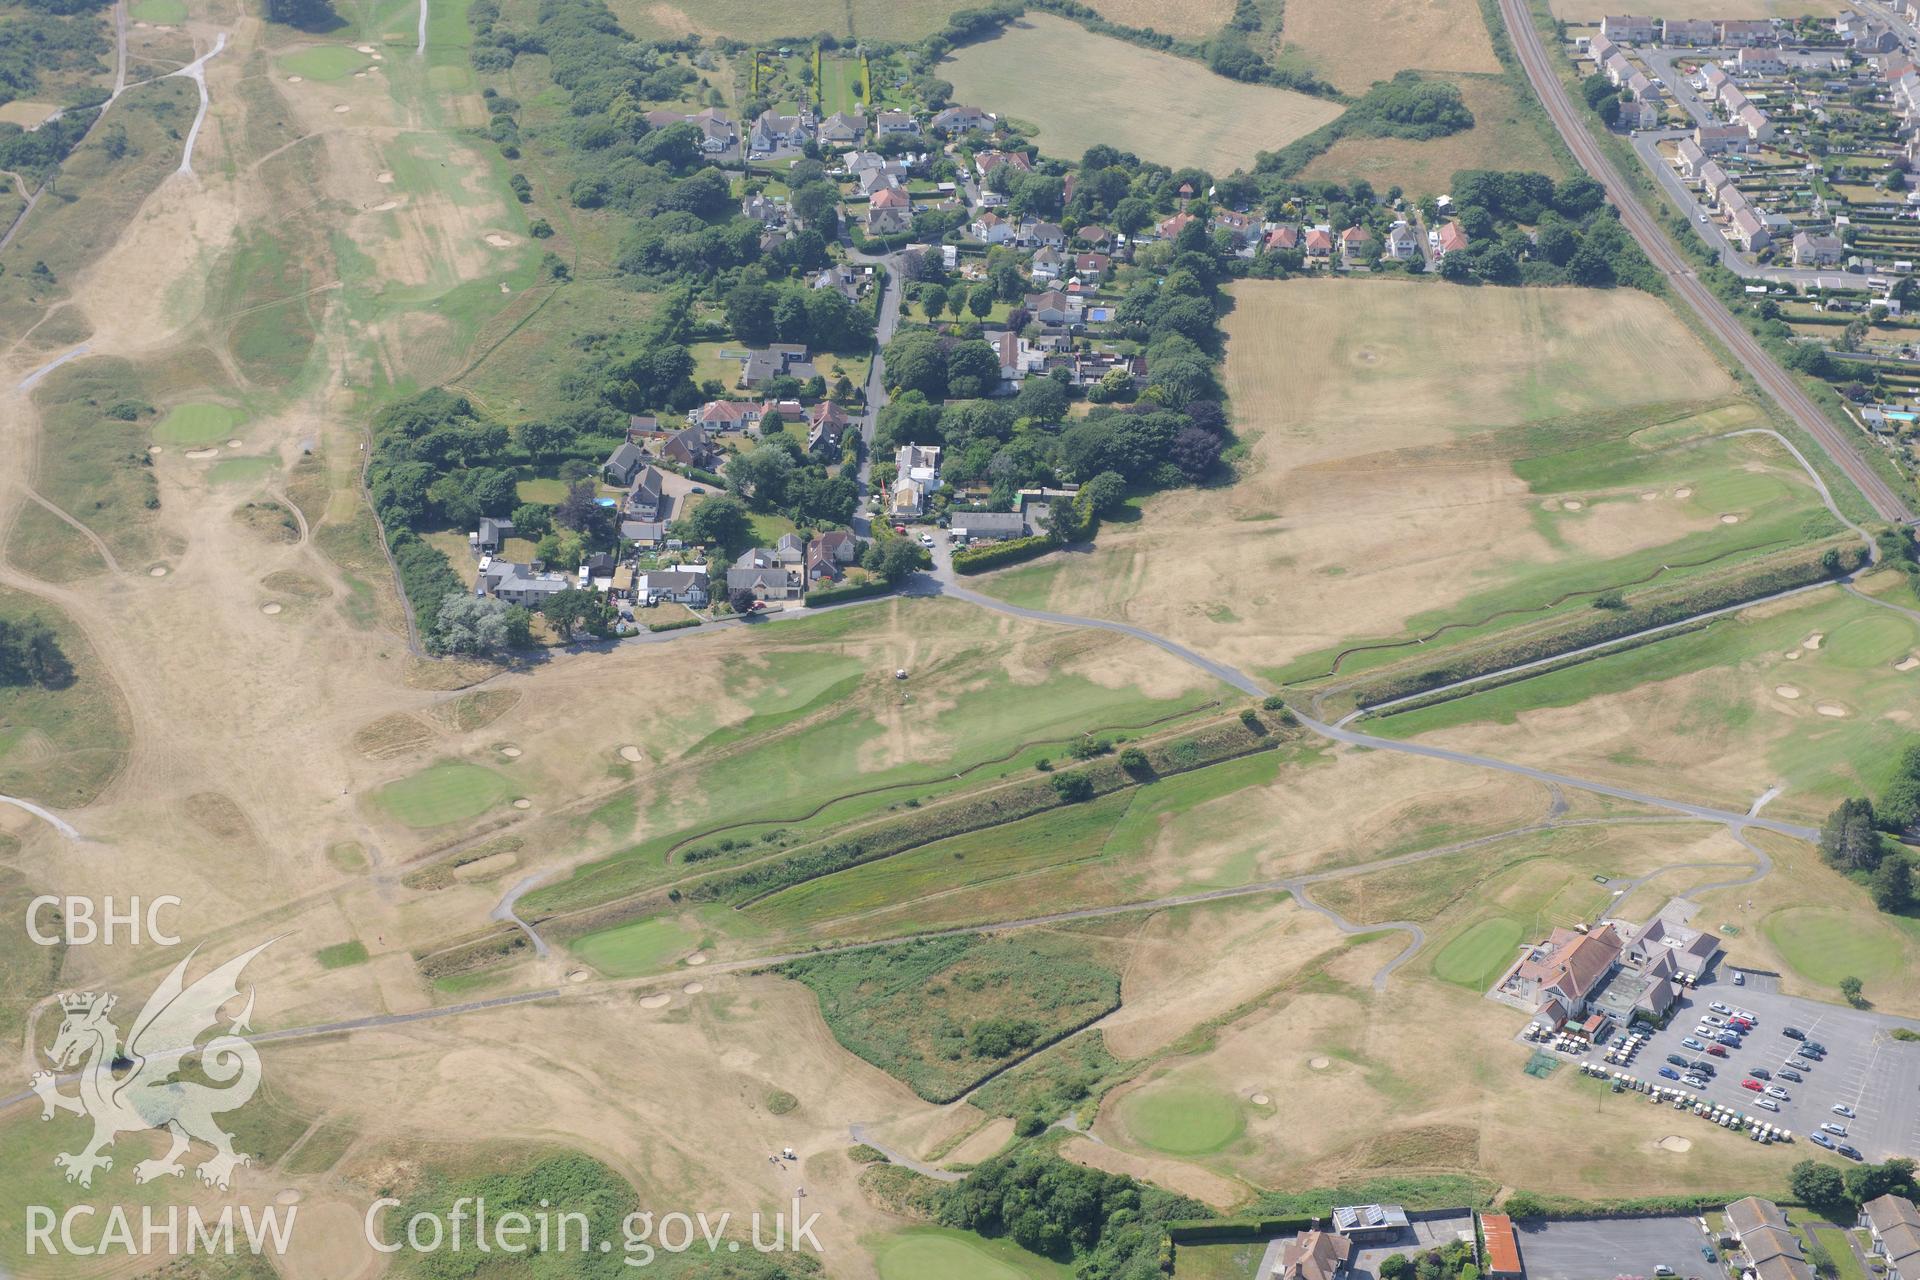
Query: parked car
point(1663, 1270)
point(1729, 1037)
point(1842, 1109)
point(1793, 1033)
point(1694, 1082)
point(1740, 1024)
point(1839, 1130)
point(1711, 1020)
point(1677, 1060)
point(1760, 1073)
point(1788, 1073)
point(1748, 1015)
point(1814, 1046)
point(1701, 1066)
point(1822, 1139)
point(1717, 1007)
point(1691, 1043)
point(1800, 1063)
point(1849, 1152)
point(1766, 1104)
point(1775, 1091)
point(1669, 1073)
point(1706, 1251)
point(1739, 978)
point(1717, 1050)
point(1754, 1085)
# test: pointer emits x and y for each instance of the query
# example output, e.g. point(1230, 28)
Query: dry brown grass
point(1171, 17)
point(1156, 105)
point(1354, 45)
point(1506, 134)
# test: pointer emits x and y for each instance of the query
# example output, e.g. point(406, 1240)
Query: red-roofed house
point(1448, 238)
point(1355, 244)
point(1559, 975)
point(726, 415)
point(1173, 226)
point(1284, 236)
point(1318, 243)
point(889, 211)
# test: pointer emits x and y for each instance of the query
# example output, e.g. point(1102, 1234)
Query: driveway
point(1615, 1247)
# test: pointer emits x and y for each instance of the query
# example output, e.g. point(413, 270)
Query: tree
point(741, 600)
point(894, 559)
point(1524, 1204)
point(30, 653)
point(1848, 840)
point(956, 300)
point(543, 440)
point(1073, 788)
point(933, 300)
point(1395, 1266)
point(1851, 987)
point(573, 610)
point(1892, 883)
point(471, 624)
point(719, 519)
point(1817, 1184)
point(979, 304)
point(1104, 493)
point(1196, 452)
point(1134, 761)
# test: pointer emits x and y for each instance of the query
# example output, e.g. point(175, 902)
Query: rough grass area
point(93, 465)
point(343, 955)
point(27, 969)
point(442, 794)
point(1509, 132)
point(750, 20)
point(61, 746)
point(1157, 105)
point(1824, 945)
point(1190, 18)
point(942, 1016)
point(1353, 45)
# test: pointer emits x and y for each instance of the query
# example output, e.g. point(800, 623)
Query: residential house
point(991, 228)
point(987, 526)
point(1053, 307)
point(1172, 227)
point(1241, 228)
point(777, 360)
point(1760, 1229)
point(1747, 231)
point(1557, 976)
point(1688, 158)
point(1369, 1224)
point(1761, 61)
point(762, 572)
point(1716, 138)
point(1318, 245)
point(1713, 180)
point(1356, 244)
point(777, 415)
point(1759, 128)
point(646, 534)
point(1816, 251)
point(1282, 237)
point(646, 499)
point(773, 132)
point(1629, 29)
point(1045, 235)
point(1747, 31)
point(1314, 1255)
point(763, 210)
point(840, 544)
point(895, 124)
point(1599, 47)
point(987, 161)
point(819, 566)
point(1503, 1247)
point(1047, 264)
point(620, 466)
point(726, 415)
point(790, 549)
point(1617, 69)
point(844, 278)
point(1710, 80)
point(1403, 244)
point(1091, 268)
point(1687, 31)
point(717, 132)
point(1643, 88)
point(640, 426)
point(1094, 236)
point(916, 476)
point(952, 120)
point(683, 585)
point(826, 423)
point(689, 447)
point(527, 585)
point(492, 534)
point(1450, 238)
point(1893, 1226)
point(889, 212)
point(843, 129)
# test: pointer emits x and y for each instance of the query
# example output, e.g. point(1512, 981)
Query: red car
point(899, 528)
point(1717, 1050)
point(1754, 1085)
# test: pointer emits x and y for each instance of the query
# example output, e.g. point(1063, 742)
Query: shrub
point(996, 554)
point(1073, 788)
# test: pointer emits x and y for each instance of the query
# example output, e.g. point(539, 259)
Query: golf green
point(324, 62)
point(239, 470)
point(1824, 945)
point(444, 793)
point(630, 949)
point(161, 13)
point(1477, 957)
point(194, 425)
point(1182, 1120)
point(932, 1253)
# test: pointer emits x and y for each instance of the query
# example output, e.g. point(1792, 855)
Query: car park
point(1822, 1140)
point(1842, 1109)
point(1690, 1043)
point(1754, 1085)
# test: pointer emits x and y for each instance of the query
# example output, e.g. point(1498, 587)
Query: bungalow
point(775, 132)
point(843, 129)
point(845, 279)
point(1239, 226)
point(991, 228)
point(717, 132)
point(681, 586)
point(895, 124)
point(960, 119)
point(1894, 1228)
point(987, 161)
point(689, 447)
point(776, 415)
point(766, 212)
point(1355, 244)
point(889, 212)
point(623, 462)
point(725, 415)
point(646, 500)
point(1402, 244)
point(1815, 251)
point(1172, 227)
point(1047, 264)
point(1053, 307)
point(1748, 232)
point(1761, 1231)
point(990, 526)
point(492, 534)
point(761, 572)
point(1314, 1255)
point(1095, 235)
point(1448, 239)
point(777, 360)
point(826, 423)
point(643, 533)
point(1282, 237)
point(1629, 29)
point(1687, 31)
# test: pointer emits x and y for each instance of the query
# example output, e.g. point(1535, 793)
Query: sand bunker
point(363, 48)
point(269, 609)
point(383, 207)
point(523, 803)
point(288, 1196)
point(1813, 641)
point(510, 752)
point(293, 79)
point(359, 75)
point(233, 444)
point(1675, 1143)
point(498, 241)
point(1786, 691)
point(378, 57)
point(384, 179)
point(1260, 1100)
point(1729, 519)
point(1683, 493)
point(343, 107)
point(1907, 663)
point(660, 1001)
point(578, 975)
point(1320, 1064)
point(1794, 656)
point(693, 988)
point(698, 957)
point(158, 571)
point(631, 755)
point(1648, 497)
point(1833, 709)
point(203, 453)
point(504, 288)
point(154, 448)
point(1572, 506)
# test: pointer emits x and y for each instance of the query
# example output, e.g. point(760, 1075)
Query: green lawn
point(629, 949)
point(443, 793)
point(547, 490)
point(1182, 1120)
point(343, 955)
point(1477, 957)
point(1217, 1261)
point(198, 424)
point(161, 13)
point(323, 62)
point(1824, 945)
point(241, 470)
point(1836, 1243)
point(939, 1253)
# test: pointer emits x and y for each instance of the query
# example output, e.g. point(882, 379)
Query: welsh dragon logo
point(133, 1088)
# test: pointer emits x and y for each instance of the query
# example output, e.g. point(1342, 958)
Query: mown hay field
point(1156, 105)
point(1354, 45)
point(1508, 133)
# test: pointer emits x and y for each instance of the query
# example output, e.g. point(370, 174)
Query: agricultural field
point(1578, 446)
point(1192, 19)
point(1355, 45)
point(1508, 133)
point(901, 21)
point(1157, 105)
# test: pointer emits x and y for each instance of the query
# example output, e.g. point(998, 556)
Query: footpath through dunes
point(1404, 484)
